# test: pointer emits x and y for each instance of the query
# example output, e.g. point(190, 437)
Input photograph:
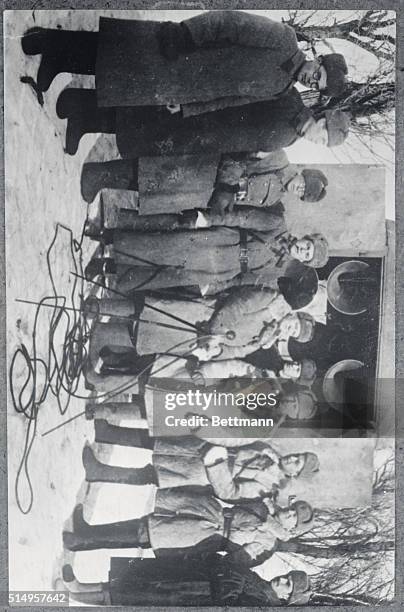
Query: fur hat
point(311, 464)
point(308, 373)
point(301, 591)
point(307, 325)
point(307, 403)
point(320, 255)
point(338, 124)
point(336, 68)
point(315, 183)
point(303, 511)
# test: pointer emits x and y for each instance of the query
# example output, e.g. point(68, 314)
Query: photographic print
point(200, 256)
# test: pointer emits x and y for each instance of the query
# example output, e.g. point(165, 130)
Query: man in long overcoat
point(248, 245)
point(214, 60)
point(188, 519)
point(269, 125)
point(211, 580)
point(172, 184)
point(249, 472)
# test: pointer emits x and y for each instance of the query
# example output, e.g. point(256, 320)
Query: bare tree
point(371, 102)
point(351, 550)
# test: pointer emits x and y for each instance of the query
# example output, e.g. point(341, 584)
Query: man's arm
point(239, 28)
point(221, 479)
point(237, 306)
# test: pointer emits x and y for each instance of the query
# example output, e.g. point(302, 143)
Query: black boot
point(117, 174)
point(33, 41)
point(124, 534)
point(102, 121)
point(98, 266)
point(101, 472)
point(62, 51)
point(75, 101)
point(124, 436)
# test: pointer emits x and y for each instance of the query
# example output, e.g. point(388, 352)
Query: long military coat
point(240, 58)
point(148, 259)
point(183, 518)
point(244, 313)
point(176, 183)
point(261, 126)
point(205, 580)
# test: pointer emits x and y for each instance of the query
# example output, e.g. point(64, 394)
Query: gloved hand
point(174, 39)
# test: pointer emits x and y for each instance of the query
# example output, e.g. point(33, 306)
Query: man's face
point(297, 186)
point(313, 75)
point(287, 518)
point(292, 465)
point(291, 369)
point(283, 586)
point(290, 326)
point(303, 250)
point(316, 131)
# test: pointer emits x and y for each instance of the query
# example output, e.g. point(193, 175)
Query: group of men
point(202, 284)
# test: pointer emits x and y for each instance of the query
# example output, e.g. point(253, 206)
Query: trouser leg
point(124, 436)
point(116, 174)
point(101, 121)
point(62, 51)
point(96, 471)
point(124, 534)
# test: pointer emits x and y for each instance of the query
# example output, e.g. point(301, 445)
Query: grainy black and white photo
point(200, 256)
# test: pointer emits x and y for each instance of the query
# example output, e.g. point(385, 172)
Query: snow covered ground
point(42, 189)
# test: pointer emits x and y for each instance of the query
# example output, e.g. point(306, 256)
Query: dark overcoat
point(239, 58)
point(206, 580)
point(176, 183)
point(262, 126)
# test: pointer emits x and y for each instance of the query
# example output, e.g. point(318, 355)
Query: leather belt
point(243, 256)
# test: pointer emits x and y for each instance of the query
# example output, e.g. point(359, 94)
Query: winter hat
point(315, 185)
point(301, 592)
point(304, 512)
point(320, 256)
point(307, 404)
point(336, 68)
point(311, 464)
point(307, 325)
point(338, 124)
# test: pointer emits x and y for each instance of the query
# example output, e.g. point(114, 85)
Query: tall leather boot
point(101, 472)
point(124, 534)
point(62, 51)
point(101, 121)
point(76, 101)
point(116, 174)
point(124, 436)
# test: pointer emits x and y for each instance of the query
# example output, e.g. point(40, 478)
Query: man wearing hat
point(252, 180)
point(251, 471)
point(298, 404)
point(267, 125)
point(170, 184)
point(237, 56)
point(205, 580)
point(186, 518)
point(270, 359)
point(248, 245)
point(303, 372)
